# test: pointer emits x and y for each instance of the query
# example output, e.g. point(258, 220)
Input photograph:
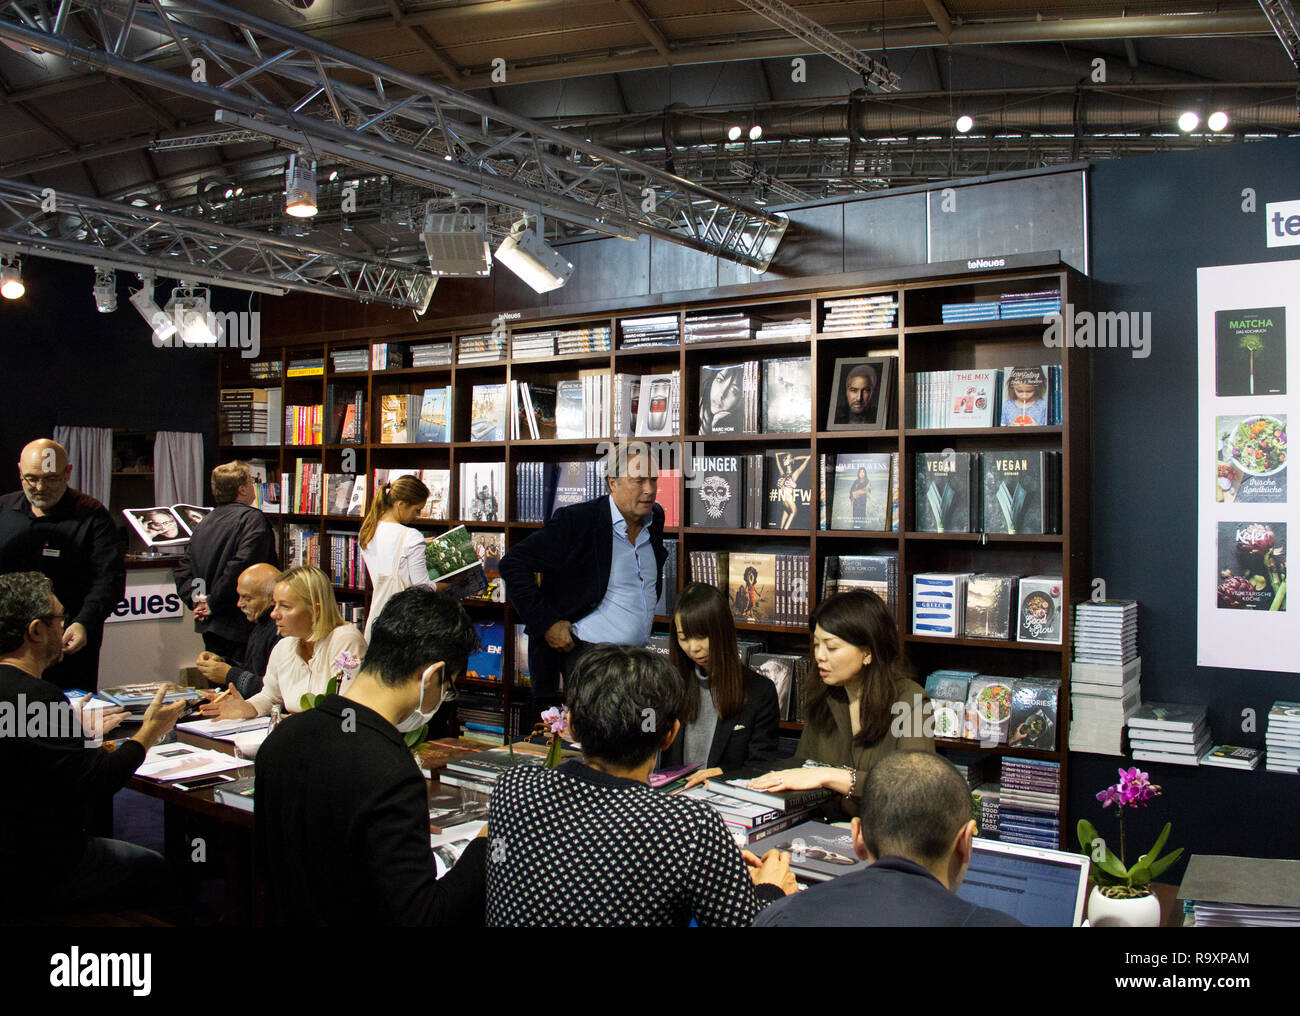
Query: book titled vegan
point(1014, 498)
point(943, 492)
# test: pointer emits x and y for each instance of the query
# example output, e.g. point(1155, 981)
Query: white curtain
point(90, 450)
point(178, 468)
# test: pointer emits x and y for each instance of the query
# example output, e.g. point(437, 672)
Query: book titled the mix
point(988, 397)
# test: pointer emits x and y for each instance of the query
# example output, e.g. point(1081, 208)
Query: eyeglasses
point(50, 617)
point(46, 481)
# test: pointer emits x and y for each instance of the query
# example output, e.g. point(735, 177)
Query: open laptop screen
point(1039, 887)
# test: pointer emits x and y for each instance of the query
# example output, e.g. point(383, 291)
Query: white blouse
point(288, 677)
point(378, 554)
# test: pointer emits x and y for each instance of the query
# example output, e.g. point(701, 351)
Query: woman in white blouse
point(316, 644)
point(392, 550)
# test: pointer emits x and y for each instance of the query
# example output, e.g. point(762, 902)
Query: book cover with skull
point(717, 487)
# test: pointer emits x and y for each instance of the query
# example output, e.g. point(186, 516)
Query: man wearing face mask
point(342, 822)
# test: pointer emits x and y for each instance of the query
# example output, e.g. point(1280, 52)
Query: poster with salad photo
point(1247, 384)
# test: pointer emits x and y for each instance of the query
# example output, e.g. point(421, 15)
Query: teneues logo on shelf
point(148, 603)
point(1282, 223)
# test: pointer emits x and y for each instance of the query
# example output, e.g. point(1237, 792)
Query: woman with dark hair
point(859, 702)
point(730, 715)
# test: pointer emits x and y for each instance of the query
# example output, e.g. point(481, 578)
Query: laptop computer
point(1039, 887)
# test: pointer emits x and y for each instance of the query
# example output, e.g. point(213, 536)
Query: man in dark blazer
point(233, 536)
point(342, 818)
point(601, 564)
point(915, 829)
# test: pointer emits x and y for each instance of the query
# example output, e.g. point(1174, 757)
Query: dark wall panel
point(674, 268)
point(884, 232)
point(605, 270)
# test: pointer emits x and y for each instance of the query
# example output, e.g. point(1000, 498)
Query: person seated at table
point(315, 645)
point(255, 591)
point(342, 821)
point(590, 843)
point(50, 778)
point(730, 716)
point(914, 826)
point(859, 702)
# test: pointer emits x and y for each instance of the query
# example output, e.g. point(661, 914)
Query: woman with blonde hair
point(392, 550)
point(315, 645)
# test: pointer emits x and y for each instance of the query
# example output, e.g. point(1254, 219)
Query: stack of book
point(345, 414)
point(385, 356)
point(575, 481)
point(1105, 632)
point(349, 361)
point(1102, 698)
point(244, 415)
point(265, 370)
point(533, 345)
point(1230, 756)
point(304, 488)
point(751, 815)
point(1282, 738)
point(353, 613)
point(431, 354)
point(653, 330)
point(961, 313)
point(818, 852)
point(729, 327)
point(583, 406)
point(1166, 732)
point(302, 425)
point(1037, 304)
point(988, 397)
point(1030, 802)
point(787, 395)
point(860, 313)
point(307, 366)
point(729, 402)
point(484, 348)
point(985, 800)
point(784, 331)
point(1241, 892)
point(767, 588)
point(591, 339)
point(480, 771)
point(876, 572)
point(534, 491)
point(489, 411)
point(972, 766)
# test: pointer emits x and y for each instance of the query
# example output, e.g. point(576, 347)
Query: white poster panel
point(148, 601)
point(1248, 393)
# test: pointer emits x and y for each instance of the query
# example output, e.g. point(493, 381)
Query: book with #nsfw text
point(787, 494)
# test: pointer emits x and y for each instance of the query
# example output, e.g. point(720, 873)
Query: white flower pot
point(1104, 912)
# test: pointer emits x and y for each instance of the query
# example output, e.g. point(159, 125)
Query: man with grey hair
point(50, 779)
point(50, 528)
point(601, 564)
point(254, 588)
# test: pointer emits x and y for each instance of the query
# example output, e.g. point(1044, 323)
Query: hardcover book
point(656, 405)
point(788, 493)
point(488, 413)
point(861, 491)
point(752, 588)
point(435, 416)
point(718, 491)
point(490, 547)
point(1025, 396)
point(1039, 611)
point(974, 396)
point(486, 664)
point(393, 424)
point(1014, 494)
point(1033, 714)
point(722, 399)
point(787, 396)
point(482, 491)
point(1250, 351)
point(988, 709)
point(988, 606)
point(947, 690)
point(943, 492)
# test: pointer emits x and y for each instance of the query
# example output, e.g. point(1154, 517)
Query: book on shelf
point(394, 419)
point(859, 313)
point(486, 664)
point(752, 588)
point(429, 354)
point(787, 395)
point(488, 412)
point(575, 481)
point(727, 326)
point(338, 492)
point(1168, 716)
point(539, 405)
point(385, 356)
point(482, 491)
point(669, 496)
point(658, 409)
point(650, 330)
point(346, 567)
point(266, 486)
point(973, 399)
point(668, 591)
point(988, 708)
point(1033, 714)
point(788, 492)
point(861, 491)
point(165, 525)
point(490, 546)
point(484, 348)
point(946, 497)
point(877, 573)
point(434, 422)
point(306, 366)
point(989, 600)
point(938, 604)
point(302, 425)
point(569, 410)
point(947, 690)
point(1039, 610)
point(1021, 491)
point(780, 669)
point(1026, 398)
point(728, 398)
point(718, 492)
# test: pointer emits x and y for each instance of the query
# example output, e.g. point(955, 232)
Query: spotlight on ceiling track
point(531, 258)
point(1188, 122)
point(964, 124)
point(11, 277)
point(734, 132)
point(755, 132)
point(164, 327)
point(1217, 121)
point(105, 289)
point(456, 242)
point(190, 309)
point(300, 187)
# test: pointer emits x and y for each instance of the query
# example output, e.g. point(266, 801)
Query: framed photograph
point(860, 391)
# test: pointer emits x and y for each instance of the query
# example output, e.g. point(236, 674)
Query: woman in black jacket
point(730, 717)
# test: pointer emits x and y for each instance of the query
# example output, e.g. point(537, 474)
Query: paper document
point(168, 762)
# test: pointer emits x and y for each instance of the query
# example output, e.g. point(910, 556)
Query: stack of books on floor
point(1039, 303)
point(960, 313)
point(1166, 732)
point(1102, 698)
point(860, 313)
point(1105, 632)
point(818, 851)
point(484, 348)
point(590, 339)
point(1029, 808)
point(431, 354)
point(732, 327)
point(482, 716)
point(751, 815)
point(654, 330)
point(349, 361)
point(1230, 756)
point(796, 328)
point(533, 345)
point(1282, 738)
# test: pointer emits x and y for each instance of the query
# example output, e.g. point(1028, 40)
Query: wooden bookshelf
point(919, 339)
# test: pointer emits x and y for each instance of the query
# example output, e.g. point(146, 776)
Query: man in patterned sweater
point(591, 844)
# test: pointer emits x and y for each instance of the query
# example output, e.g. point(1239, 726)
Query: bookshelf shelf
point(919, 341)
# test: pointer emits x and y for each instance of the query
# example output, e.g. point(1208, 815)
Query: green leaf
point(1140, 874)
point(1110, 864)
point(332, 687)
point(1159, 845)
point(1086, 833)
point(1159, 867)
point(308, 701)
point(414, 738)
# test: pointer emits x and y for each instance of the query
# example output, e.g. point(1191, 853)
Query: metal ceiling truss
point(1281, 15)
point(397, 123)
point(875, 73)
point(71, 227)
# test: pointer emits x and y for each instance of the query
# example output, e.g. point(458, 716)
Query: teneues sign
point(148, 602)
point(1282, 223)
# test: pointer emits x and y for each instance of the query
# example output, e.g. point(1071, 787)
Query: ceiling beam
point(421, 35)
point(942, 19)
point(648, 28)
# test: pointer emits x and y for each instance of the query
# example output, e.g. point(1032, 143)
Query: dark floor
point(138, 818)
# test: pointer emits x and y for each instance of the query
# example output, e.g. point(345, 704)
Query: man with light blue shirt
point(601, 566)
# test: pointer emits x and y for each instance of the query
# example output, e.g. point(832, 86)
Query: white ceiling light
point(1217, 120)
point(457, 243)
point(11, 277)
point(755, 132)
point(155, 317)
point(964, 124)
point(1188, 122)
point(190, 310)
point(531, 258)
point(105, 289)
point(300, 187)
point(734, 132)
